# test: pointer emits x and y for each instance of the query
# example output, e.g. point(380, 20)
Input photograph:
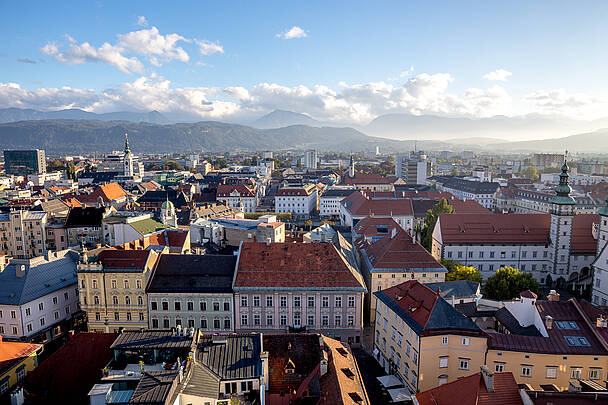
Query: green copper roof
point(563, 189)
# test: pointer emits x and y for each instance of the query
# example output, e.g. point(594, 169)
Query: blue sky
point(354, 60)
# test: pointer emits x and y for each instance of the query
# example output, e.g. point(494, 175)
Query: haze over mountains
point(78, 130)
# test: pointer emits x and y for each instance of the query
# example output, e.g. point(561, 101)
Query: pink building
point(283, 287)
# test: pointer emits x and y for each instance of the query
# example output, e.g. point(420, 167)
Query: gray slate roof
point(41, 277)
point(456, 289)
point(153, 388)
point(151, 340)
point(232, 357)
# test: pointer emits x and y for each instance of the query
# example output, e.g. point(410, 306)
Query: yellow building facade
point(18, 359)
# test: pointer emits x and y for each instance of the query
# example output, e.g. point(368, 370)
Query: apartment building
point(296, 199)
point(238, 196)
point(329, 202)
point(422, 340)
point(281, 287)
point(360, 204)
point(112, 288)
point(192, 291)
point(23, 234)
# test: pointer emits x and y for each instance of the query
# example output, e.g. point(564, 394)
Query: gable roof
point(147, 226)
point(369, 178)
point(399, 252)
point(294, 265)
point(154, 387)
point(423, 309)
point(85, 216)
point(40, 277)
point(193, 274)
point(109, 192)
point(472, 391)
point(360, 205)
point(456, 289)
point(132, 260)
point(231, 357)
point(13, 353)
point(226, 190)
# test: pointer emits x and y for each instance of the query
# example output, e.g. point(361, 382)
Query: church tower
point(351, 167)
point(167, 214)
point(128, 158)
point(562, 216)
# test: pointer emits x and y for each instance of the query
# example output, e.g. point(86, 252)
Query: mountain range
point(18, 114)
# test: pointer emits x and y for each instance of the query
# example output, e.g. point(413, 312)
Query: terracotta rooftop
point(295, 191)
point(399, 252)
point(473, 391)
point(294, 265)
point(360, 205)
point(375, 227)
point(124, 259)
point(513, 228)
point(369, 178)
point(226, 190)
point(12, 353)
point(574, 327)
point(528, 294)
point(423, 309)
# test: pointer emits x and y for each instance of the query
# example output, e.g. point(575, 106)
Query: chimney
point(601, 322)
point(268, 241)
point(553, 296)
point(548, 322)
point(20, 270)
point(488, 378)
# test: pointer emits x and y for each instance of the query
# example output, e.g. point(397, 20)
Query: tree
point(464, 273)
point(450, 264)
point(507, 283)
point(442, 207)
point(530, 172)
point(173, 165)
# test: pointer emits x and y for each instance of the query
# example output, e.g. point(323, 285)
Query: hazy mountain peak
point(284, 118)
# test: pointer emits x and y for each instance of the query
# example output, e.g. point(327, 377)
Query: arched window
point(96, 300)
point(127, 300)
point(115, 300)
point(140, 301)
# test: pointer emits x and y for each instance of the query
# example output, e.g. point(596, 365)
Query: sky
point(343, 61)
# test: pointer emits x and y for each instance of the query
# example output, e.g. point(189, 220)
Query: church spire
point(563, 189)
point(127, 150)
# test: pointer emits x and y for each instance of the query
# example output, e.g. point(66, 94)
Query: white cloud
point(85, 53)
point(148, 42)
point(558, 101)
point(293, 32)
point(208, 47)
point(141, 21)
point(352, 103)
point(499, 74)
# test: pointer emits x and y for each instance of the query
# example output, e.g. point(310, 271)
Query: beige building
point(112, 288)
point(422, 340)
point(22, 234)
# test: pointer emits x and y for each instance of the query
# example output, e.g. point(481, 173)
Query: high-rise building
point(414, 168)
point(310, 159)
point(24, 162)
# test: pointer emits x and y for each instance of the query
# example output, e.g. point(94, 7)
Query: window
point(575, 372)
point(325, 320)
point(463, 364)
point(116, 316)
point(165, 306)
point(203, 323)
point(226, 306)
point(297, 302)
point(444, 340)
point(15, 331)
point(27, 312)
point(244, 319)
point(56, 315)
point(283, 320)
point(526, 371)
point(67, 310)
point(595, 374)
point(567, 325)
point(244, 301)
point(177, 305)
point(443, 362)
point(140, 301)
point(141, 316)
point(551, 372)
point(415, 357)
point(95, 300)
point(127, 300)
point(283, 302)
point(310, 320)
point(128, 316)
point(216, 306)
point(203, 305)
point(350, 319)
point(499, 367)
point(115, 300)
point(216, 323)
point(54, 300)
point(269, 302)
point(126, 284)
point(226, 323)
point(190, 305)
point(256, 320)
point(166, 323)
point(577, 341)
point(351, 302)
point(338, 320)
point(94, 283)
point(29, 327)
point(138, 284)
point(338, 302)
point(311, 302)
point(154, 323)
point(325, 302)
point(269, 320)
point(256, 300)
point(465, 341)
point(40, 306)
point(113, 282)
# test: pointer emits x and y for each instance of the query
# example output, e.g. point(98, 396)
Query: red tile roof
point(12, 353)
point(555, 342)
point(124, 259)
point(68, 374)
point(293, 265)
point(472, 390)
point(528, 294)
point(225, 190)
point(368, 226)
point(415, 299)
point(369, 178)
point(467, 207)
point(399, 252)
point(514, 228)
point(298, 192)
point(110, 192)
point(360, 205)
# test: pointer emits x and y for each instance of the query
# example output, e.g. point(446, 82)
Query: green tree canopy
point(507, 283)
point(464, 273)
point(442, 207)
point(530, 172)
point(173, 165)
